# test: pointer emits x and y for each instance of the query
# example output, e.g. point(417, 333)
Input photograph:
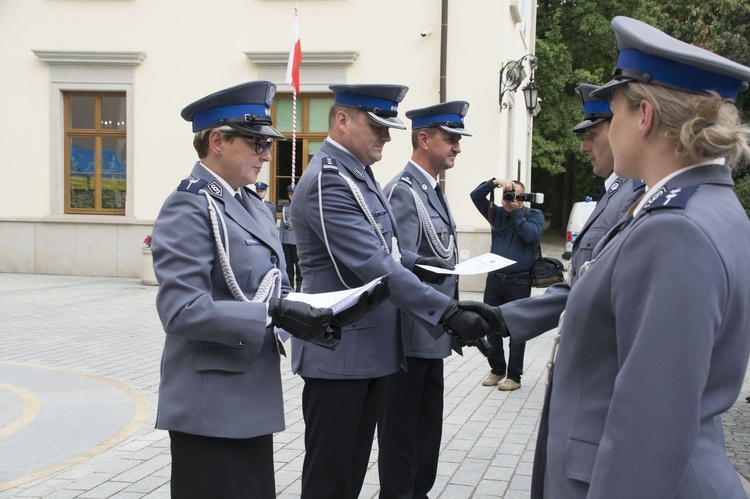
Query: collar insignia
point(215, 188)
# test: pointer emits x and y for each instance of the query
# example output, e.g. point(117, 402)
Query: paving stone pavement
point(79, 373)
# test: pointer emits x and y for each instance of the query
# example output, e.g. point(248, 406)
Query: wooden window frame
point(97, 133)
point(303, 135)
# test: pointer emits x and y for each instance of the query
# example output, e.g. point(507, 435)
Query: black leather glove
point(330, 338)
point(301, 320)
point(431, 277)
point(490, 313)
point(480, 343)
point(466, 324)
point(366, 303)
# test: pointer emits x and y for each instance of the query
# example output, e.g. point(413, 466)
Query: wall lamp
point(511, 77)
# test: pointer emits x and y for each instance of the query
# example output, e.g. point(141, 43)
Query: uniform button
point(431, 311)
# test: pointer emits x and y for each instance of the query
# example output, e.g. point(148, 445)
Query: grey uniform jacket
point(220, 373)
point(530, 317)
point(271, 208)
point(286, 229)
point(371, 347)
point(418, 342)
point(653, 349)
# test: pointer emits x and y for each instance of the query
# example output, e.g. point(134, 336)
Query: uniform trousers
point(340, 418)
point(292, 265)
point(410, 429)
point(221, 468)
point(500, 289)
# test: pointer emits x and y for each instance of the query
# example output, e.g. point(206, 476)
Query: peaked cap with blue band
point(379, 102)
point(261, 185)
point(245, 107)
point(448, 116)
point(594, 110)
point(650, 56)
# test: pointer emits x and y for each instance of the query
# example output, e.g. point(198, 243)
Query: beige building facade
point(92, 91)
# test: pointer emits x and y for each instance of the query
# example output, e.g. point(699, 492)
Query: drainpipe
point(443, 48)
point(443, 61)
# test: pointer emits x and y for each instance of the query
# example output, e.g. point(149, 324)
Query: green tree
point(575, 44)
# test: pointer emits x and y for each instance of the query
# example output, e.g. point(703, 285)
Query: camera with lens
point(531, 197)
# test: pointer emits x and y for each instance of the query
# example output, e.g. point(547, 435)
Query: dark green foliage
point(575, 44)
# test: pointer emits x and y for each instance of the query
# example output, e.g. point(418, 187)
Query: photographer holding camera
point(516, 231)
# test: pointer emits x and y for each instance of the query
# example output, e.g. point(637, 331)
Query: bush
point(742, 189)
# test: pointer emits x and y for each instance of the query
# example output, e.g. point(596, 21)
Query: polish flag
point(295, 57)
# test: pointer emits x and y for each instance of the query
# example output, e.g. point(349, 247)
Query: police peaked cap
point(594, 110)
point(262, 186)
point(448, 116)
point(650, 56)
point(245, 108)
point(379, 102)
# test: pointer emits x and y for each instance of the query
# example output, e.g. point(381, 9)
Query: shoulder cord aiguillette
point(394, 252)
point(271, 281)
point(426, 226)
point(287, 221)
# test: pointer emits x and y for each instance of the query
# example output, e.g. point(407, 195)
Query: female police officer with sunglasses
point(220, 266)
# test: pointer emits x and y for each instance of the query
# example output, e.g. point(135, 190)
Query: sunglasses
point(260, 144)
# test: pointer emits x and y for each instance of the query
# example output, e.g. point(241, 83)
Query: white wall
point(194, 47)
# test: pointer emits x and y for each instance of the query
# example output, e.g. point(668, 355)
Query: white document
point(335, 300)
point(478, 265)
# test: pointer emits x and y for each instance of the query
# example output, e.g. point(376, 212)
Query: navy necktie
point(441, 198)
point(239, 198)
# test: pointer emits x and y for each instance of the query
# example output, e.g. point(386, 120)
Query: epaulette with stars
point(192, 184)
point(330, 165)
point(672, 198)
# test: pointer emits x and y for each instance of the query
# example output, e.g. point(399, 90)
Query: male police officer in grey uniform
point(261, 188)
point(289, 243)
point(410, 428)
point(619, 192)
point(542, 313)
point(346, 236)
point(220, 394)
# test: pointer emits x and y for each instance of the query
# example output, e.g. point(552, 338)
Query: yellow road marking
point(31, 409)
point(141, 411)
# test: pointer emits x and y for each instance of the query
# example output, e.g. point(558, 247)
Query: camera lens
point(509, 196)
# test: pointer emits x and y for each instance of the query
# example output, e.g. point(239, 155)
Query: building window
point(110, 76)
point(95, 152)
point(312, 129)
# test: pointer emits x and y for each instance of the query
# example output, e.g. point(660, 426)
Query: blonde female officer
point(654, 344)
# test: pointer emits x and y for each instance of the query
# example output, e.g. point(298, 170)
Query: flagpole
point(292, 78)
point(294, 132)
